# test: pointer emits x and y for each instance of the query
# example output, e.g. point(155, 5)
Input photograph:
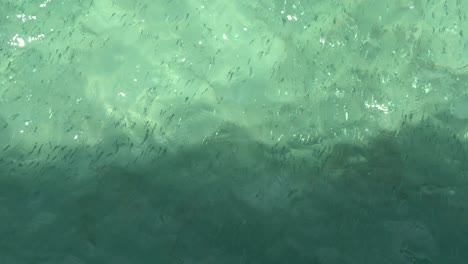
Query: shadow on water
point(397, 199)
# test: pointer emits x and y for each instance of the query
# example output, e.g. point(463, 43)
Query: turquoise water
point(233, 132)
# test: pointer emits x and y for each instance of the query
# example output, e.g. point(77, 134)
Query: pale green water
point(233, 132)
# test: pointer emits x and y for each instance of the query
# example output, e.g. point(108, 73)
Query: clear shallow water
point(213, 132)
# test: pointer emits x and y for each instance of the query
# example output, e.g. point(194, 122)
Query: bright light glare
point(18, 41)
